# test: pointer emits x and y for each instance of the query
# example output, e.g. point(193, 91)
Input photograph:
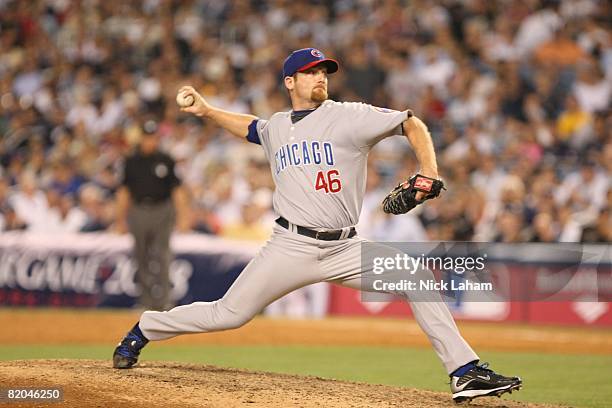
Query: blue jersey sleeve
point(253, 136)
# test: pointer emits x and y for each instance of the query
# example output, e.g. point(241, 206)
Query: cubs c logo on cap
point(301, 60)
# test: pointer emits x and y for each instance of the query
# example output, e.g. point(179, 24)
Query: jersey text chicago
point(303, 153)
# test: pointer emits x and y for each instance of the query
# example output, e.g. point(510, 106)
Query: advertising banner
point(97, 270)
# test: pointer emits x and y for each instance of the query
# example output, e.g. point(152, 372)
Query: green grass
point(577, 380)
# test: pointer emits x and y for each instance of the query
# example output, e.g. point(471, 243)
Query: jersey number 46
point(328, 181)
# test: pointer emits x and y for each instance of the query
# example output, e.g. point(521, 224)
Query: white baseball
point(184, 100)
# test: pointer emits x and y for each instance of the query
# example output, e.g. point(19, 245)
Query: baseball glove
point(403, 197)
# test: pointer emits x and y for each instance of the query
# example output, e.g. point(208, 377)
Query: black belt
point(332, 235)
point(151, 201)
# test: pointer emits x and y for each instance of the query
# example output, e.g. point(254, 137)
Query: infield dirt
point(92, 383)
point(66, 326)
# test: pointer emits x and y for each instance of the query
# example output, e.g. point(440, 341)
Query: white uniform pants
point(290, 261)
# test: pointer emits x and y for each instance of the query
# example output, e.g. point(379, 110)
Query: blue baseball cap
point(301, 60)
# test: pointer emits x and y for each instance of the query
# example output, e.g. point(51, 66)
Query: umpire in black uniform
point(147, 201)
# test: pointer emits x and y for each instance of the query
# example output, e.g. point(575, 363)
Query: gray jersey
point(319, 163)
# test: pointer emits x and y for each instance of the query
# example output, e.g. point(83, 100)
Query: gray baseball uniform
point(319, 168)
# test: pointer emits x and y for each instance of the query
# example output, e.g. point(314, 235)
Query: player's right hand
point(200, 107)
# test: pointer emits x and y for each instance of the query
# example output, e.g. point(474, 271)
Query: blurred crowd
point(516, 94)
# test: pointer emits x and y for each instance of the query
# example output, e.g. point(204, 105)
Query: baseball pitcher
point(317, 154)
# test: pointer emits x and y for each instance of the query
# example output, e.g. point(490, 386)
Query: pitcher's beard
point(318, 95)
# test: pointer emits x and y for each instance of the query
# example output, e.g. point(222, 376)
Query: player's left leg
point(468, 380)
point(343, 265)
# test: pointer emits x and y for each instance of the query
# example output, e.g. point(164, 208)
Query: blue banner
point(45, 273)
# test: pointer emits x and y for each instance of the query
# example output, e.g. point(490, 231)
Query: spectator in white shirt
point(586, 188)
point(30, 203)
point(592, 90)
point(537, 28)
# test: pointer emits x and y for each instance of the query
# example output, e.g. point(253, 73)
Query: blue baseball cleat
point(127, 351)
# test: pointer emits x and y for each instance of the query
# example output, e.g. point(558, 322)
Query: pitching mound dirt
point(92, 383)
